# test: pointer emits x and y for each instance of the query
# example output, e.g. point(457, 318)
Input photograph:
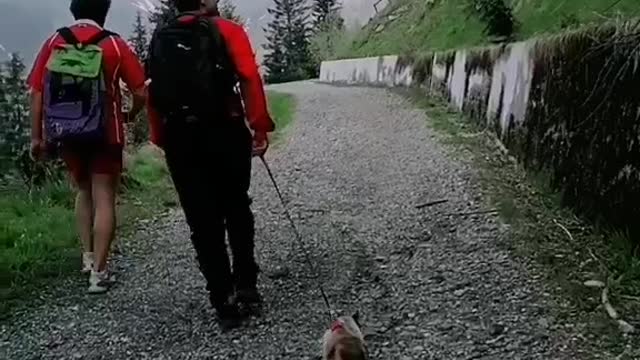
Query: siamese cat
point(344, 340)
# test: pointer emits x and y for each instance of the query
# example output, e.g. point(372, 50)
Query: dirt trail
point(355, 165)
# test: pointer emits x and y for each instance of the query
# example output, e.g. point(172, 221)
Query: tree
point(139, 38)
point(326, 12)
point(288, 57)
point(228, 11)
point(5, 129)
point(165, 11)
point(16, 97)
point(14, 119)
point(325, 41)
point(328, 31)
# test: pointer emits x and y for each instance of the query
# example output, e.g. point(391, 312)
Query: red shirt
point(119, 63)
point(251, 85)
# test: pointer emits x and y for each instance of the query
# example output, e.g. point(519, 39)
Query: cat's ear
point(356, 317)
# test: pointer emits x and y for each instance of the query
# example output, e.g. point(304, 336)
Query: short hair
point(187, 5)
point(95, 10)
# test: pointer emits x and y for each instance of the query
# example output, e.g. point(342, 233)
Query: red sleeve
point(36, 76)
point(243, 57)
point(131, 69)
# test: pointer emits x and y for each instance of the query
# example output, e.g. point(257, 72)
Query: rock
point(625, 327)
point(459, 292)
point(594, 283)
point(496, 329)
point(544, 323)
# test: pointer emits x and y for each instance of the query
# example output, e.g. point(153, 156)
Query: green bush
point(497, 16)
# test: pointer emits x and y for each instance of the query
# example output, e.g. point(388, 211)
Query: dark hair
point(187, 5)
point(95, 10)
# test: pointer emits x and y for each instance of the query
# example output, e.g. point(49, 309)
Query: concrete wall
point(378, 71)
point(555, 103)
point(508, 82)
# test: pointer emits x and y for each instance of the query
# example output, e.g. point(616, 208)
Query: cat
point(344, 340)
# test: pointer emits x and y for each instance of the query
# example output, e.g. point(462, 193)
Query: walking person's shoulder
point(35, 80)
point(229, 28)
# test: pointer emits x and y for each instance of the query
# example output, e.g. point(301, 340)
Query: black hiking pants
point(210, 165)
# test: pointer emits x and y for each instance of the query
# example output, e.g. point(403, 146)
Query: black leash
point(298, 236)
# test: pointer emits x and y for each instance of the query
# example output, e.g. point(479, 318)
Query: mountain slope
point(420, 25)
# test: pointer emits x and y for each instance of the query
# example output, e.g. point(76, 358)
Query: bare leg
point(104, 198)
point(84, 216)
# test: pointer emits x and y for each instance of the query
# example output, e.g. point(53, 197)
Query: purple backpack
point(75, 91)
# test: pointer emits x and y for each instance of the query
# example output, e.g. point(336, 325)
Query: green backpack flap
point(78, 59)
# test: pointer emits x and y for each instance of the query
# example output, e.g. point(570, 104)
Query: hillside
point(420, 25)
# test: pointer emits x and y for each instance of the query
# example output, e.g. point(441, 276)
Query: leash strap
point(298, 236)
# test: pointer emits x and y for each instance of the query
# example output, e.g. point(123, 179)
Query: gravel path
point(356, 164)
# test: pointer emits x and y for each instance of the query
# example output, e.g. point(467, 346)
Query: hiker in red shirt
point(86, 122)
point(197, 116)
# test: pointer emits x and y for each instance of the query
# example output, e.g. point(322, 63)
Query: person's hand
point(37, 149)
point(260, 144)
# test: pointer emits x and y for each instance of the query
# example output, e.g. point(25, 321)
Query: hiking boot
point(87, 262)
point(249, 295)
point(100, 282)
point(228, 313)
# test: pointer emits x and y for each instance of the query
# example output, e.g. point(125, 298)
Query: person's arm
point(156, 126)
point(251, 86)
point(37, 142)
point(35, 81)
point(133, 75)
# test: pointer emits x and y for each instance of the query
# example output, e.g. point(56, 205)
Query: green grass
point(35, 233)
point(409, 26)
point(38, 240)
point(537, 222)
point(281, 107)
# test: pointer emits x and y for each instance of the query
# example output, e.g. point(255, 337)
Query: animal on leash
point(344, 340)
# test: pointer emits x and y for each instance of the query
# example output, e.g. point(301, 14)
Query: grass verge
point(566, 250)
point(282, 108)
point(38, 240)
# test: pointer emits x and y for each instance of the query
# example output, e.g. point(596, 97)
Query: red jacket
point(251, 85)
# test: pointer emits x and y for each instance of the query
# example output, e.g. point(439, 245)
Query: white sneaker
point(100, 282)
point(87, 262)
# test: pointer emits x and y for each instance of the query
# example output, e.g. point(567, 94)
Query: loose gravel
point(357, 162)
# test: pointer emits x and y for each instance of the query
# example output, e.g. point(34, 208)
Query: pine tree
point(17, 94)
point(288, 57)
point(228, 11)
point(139, 39)
point(5, 129)
point(164, 13)
point(14, 118)
point(326, 12)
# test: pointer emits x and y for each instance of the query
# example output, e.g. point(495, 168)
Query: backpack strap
point(71, 39)
point(68, 36)
point(98, 37)
point(223, 56)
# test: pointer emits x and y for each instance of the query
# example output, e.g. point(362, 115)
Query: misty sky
point(24, 24)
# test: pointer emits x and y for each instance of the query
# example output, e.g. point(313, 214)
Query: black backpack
point(190, 70)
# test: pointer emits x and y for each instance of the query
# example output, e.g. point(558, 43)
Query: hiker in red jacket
point(197, 116)
point(82, 115)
